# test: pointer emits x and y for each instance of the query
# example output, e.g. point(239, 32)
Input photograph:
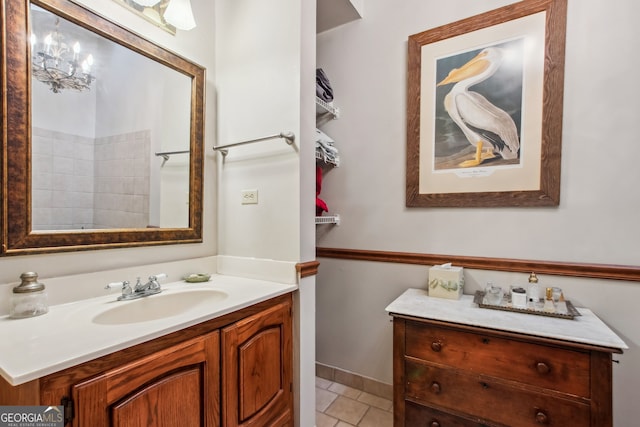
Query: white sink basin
point(158, 306)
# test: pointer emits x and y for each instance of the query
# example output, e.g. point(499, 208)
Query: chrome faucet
point(152, 286)
point(139, 290)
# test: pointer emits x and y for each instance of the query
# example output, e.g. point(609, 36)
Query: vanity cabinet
point(234, 370)
point(173, 387)
point(257, 386)
point(455, 364)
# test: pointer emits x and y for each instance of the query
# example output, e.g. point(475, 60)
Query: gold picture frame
point(484, 109)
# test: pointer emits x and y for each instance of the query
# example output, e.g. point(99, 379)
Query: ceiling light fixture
point(177, 13)
point(147, 3)
point(58, 64)
point(180, 15)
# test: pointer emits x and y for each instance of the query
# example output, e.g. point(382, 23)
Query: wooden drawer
point(506, 403)
point(539, 365)
point(422, 416)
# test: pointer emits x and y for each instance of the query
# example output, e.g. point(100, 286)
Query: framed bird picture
point(484, 109)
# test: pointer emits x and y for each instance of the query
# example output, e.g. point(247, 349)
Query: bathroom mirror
point(104, 129)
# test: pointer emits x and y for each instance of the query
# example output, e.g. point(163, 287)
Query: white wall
point(306, 313)
point(596, 221)
point(258, 77)
point(265, 77)
point(190, 45)
point(44, 110)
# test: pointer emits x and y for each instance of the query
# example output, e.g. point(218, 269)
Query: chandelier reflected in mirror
point(59, 64)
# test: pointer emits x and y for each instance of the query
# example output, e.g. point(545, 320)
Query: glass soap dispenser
point(29, 298)
point(549, 305)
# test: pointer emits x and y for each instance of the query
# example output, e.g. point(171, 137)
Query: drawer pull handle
point(436, 346)
point(486, 340)
point(435, 387)
point(434, 424)
point(541, 418)
point(543, 368)
point(484, 385)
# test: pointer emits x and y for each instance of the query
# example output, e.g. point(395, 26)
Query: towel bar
point(289, 138)
point(165, 155)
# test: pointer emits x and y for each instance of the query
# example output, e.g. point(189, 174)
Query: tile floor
point(338, 405)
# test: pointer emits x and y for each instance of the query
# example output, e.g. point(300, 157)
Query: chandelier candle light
point(58, 64)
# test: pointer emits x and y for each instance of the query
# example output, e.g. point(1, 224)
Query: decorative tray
point(505, 305)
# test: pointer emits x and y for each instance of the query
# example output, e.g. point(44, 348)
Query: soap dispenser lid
point(29, 283)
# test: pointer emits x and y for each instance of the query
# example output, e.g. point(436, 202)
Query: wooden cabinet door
point(175, 387)
point(257, 370)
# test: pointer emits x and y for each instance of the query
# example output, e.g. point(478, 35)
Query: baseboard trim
point(353, 380)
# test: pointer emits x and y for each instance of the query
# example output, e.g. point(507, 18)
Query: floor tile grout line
point(364, 415)
point(329, 384)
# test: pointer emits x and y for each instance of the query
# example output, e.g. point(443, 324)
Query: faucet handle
point(126, 289)
point(122, 284)
point(153, 281)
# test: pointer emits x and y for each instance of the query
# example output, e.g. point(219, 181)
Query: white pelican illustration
point(484, 125)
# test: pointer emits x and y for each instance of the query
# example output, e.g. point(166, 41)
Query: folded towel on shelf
point(324, 146)
point(321, 206)
point(326, 156)
point(323, 138)
point(318, 180)
point(323, 86)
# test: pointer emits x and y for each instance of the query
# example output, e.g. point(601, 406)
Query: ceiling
point(332, 13)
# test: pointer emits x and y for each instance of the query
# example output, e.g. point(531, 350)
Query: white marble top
point(67, 336)
point(585, 329)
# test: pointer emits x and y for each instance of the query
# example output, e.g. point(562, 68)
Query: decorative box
point(446, 281)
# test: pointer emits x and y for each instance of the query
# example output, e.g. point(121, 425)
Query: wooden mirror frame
point(17, 236)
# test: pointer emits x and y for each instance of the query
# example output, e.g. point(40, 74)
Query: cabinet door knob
point(436, 346)
point(541, 418)
point(435, 387)
point(542, 368)
point(434, 423)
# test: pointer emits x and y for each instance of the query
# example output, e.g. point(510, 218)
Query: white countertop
point(66, 336)
point(585, 329)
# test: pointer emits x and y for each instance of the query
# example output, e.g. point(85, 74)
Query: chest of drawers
point(456, 374)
